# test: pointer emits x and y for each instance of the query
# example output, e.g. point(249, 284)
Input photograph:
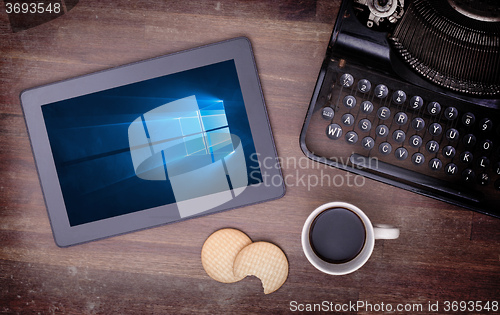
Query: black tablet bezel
point(238, 49)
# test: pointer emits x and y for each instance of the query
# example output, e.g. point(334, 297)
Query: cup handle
point(385, 232)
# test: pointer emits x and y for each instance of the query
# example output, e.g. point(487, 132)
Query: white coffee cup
point(336, 211)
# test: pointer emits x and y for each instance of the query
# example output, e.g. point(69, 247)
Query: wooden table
point(444, 253)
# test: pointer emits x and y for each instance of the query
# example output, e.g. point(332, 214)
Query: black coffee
point(337, 235)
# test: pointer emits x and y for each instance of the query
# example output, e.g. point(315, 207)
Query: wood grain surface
point(444, 253)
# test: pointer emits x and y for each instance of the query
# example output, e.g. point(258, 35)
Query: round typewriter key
point(364, 86)
point(435, 164)
point(449, 151)
point(483, 179)
point(469, 140)
point(452, 134)
point(486, 124)
point(483, 162)
point(351, 137)
point(399, 136)
point(497, 168)
point(401, 118)
point(327, 113)
point(347, 120)
point(368, 143)
point(399, 97)
point(346, 80)
point(349, 101)
point(468, 175)
point(401, 153)
point(432, 146)
point(383, 113)
point(435, 129)
point(365, 125)
point(418, 123)
point(416, 141)
point(381, 91)
point(385, 148)
point(466, 157)
point(434, 108)
point(366, 107)
point(468, 119)
point(418, 158)
point(451, 113)
point(382, 130)
point(486, 145)
point(416, 102)
point(451, 169)
point(334, 131)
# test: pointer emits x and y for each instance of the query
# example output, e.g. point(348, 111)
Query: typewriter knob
point(382, 10)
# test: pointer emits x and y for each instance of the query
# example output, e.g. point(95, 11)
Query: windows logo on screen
point(189, 143)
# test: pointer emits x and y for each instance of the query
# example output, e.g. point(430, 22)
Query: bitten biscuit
point(219, 252)
point(264, 260)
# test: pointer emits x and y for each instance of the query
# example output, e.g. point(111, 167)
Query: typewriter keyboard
point(407, 136)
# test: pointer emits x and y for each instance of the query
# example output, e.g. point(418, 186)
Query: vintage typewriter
point(409, 95)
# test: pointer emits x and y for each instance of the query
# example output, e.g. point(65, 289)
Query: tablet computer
point(153, 142)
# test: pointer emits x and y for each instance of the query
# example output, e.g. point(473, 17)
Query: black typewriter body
point(409, 95)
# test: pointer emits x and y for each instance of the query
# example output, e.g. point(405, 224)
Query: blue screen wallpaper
point(171, 139)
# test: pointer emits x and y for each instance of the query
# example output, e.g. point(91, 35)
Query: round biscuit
point(264, 260)
point(220, 250)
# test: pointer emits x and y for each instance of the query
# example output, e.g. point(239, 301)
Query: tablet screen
point(183, 138)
